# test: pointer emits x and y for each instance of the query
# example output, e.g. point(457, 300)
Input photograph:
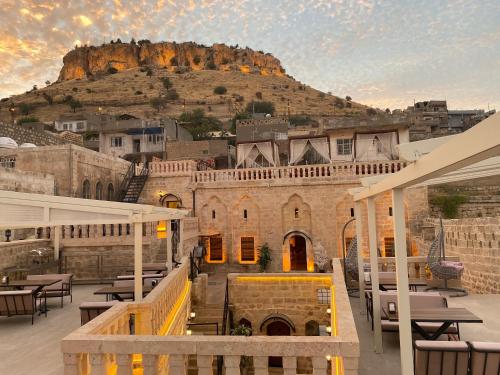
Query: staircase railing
point(220, 359)
point(126, 181)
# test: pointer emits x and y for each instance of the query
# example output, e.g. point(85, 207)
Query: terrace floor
point(35, 349)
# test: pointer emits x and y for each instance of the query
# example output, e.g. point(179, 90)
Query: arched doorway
point(277, 328)
point(298, 253)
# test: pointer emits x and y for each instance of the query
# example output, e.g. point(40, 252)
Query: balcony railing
point(172, 168)
point(105, 343)
point(332, 171)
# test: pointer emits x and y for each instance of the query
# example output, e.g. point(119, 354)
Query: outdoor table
point(146, 276)
point(391, 281)
point(444, 315)
point(115, 291)
point(152, 267)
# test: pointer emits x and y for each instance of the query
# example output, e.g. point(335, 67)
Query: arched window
point(86, 190)
point(111, 192)
point(98, 191)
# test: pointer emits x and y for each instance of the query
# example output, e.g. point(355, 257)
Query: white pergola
point(472, 154)
point(25, 210)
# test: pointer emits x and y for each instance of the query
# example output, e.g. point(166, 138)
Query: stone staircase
point(134, 188)
point(209, 313)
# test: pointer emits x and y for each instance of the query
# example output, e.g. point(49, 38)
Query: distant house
point(73, 124)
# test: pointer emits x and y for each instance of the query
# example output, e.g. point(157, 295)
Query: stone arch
point(86, 190)
point(170, 200)
point(298, 251)
point(296, 214)
point(99, 193)
point(276, 317)
point(111, 192)
point(214, 227)
point(342, 215)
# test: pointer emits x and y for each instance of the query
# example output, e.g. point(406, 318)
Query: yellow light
point(189, 332)
point(328, 311)
point(328, 357)
point(329, 329)
point(161, 229)
point(172, 316)
point(326, 279)
point(192, 315)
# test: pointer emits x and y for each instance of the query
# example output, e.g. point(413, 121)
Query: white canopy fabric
point(299, 147)
point(247, 154)
point(376, 146)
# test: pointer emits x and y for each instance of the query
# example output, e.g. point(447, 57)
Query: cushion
point(485, 358)
point(441, 357)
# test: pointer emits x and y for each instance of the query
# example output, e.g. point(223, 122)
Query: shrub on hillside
point(28, 119)
point(220, 90)
point(258, 95)
point(260, 107)
point(172, 95)
point(211, 65)
point(166, 83)
point(112, 70)
point(197, 59)
point(25, 108)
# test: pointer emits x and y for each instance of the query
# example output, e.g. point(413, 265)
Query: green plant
point(264, 256)
point(258, 95)
point(448, 204)
point(112, 70)
point(28, 119)
point(172, 95)
point(238, 116)
point(220, 90)
point(74, 104)
point(48, 98)
point(25, 108)
point(158, 103)
point(167, 83)
point(173, 61)
point(200, 125)
point(211, 65)
point(243, 330)
point(197, 59)
point(260, 107)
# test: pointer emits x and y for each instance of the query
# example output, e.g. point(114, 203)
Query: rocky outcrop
point(87, 61)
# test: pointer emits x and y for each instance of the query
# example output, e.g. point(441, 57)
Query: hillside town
point(177, 208)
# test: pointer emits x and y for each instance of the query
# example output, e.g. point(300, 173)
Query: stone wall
point(26, 182)
point(258, 297)
point(17, 253)
point(71, 165)
point(22, 134)
point(477, 242)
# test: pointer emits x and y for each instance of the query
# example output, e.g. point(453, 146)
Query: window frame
point(344, 146)
point(114, 141)
point(246, 250)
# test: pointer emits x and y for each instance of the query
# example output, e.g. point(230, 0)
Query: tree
point(220, 90)
point(172, 95)
point(149, 72)
point(258, 95)
point(25, 108)
point(371, 112)
point(167, 83)
point(47, 82)
point(158, 103)
point(339, 103)
point(260, 107)
point(387, 110)
point(48, 98)
point(348, 98)
point(35, 87)
point(197, 59)
point(74, 104)
point(211, 66)
point(132, 41)
point(174, 61)
point(112, 70)
point(200, 125)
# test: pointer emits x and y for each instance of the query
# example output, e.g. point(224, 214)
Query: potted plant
point(245, 362)
point(264, 257)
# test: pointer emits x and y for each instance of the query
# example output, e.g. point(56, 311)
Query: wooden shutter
point(247, 249)
point(389, 246)
point(216, 248)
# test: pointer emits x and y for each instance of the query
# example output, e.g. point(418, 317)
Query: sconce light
point(192, 315)
point(328, 357)
point(189, 332)
point(329, 329)
point(328, 311)
point(161, 229)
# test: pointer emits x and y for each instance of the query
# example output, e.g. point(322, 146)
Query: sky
point(381, 53)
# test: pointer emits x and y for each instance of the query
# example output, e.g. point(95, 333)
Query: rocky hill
point(121, 78)
point(88, 61)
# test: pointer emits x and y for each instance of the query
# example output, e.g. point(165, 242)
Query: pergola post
point(359, 239)
point(372, 240)
point(180, 245)
point(137, 261)
point(405, 336)
point(169, 245)
point(57, 241)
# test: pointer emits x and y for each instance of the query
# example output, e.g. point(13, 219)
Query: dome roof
point(6, 142)
point(27, 145)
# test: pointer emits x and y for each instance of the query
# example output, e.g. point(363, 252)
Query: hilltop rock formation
point(87, 61)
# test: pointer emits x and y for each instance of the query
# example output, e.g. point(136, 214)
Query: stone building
point(76, 171)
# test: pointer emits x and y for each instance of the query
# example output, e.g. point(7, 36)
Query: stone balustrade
point(104, 344)
point(172, 168)
point(334, 171)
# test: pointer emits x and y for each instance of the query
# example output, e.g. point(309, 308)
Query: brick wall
point(16, 253)
point(26, 182)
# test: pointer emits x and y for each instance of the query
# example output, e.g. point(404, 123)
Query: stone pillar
point(57, 241)
point(261, 365)
point(150, 364)
point(232, 364)
point(177, 364)
point(320, 365)
point(71, 362)
point(138, 261)
point(204, 364)
point(124, 364)
point(289, 365)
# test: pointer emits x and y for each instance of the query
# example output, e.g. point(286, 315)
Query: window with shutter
point(247, 249)
point(216, 248)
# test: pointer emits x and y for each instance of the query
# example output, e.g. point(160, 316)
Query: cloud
point(381, 53)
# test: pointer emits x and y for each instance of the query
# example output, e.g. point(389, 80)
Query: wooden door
point(277, 328)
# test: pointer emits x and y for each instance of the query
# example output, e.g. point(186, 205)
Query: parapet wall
point(22, 134)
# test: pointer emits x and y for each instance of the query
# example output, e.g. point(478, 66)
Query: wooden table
point(115, 291)
point(444, 315)
point(389, 281)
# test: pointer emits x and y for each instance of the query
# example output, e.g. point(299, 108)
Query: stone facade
point(22, 134)
point(17, 253)
point(26, 182)
point(475, 242)
point(273, 211)
point(71, 165)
